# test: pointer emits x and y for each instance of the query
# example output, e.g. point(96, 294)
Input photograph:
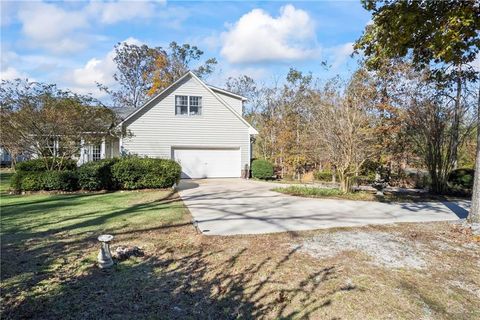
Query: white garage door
point(209, 163)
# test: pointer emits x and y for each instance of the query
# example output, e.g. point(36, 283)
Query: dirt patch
point(385, 249)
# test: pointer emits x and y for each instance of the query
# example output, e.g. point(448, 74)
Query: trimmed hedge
point(66, 180)
point(110, 174)
point(97, 175)
point(142, 173)
point(262, 169)
point(40, 165)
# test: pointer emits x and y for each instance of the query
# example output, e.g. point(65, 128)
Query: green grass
point(332, 193)
point(42, 234)
point(314, 192)
point(83, 214)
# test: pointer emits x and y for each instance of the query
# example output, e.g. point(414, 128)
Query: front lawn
point(333, 193)
point(49, 270)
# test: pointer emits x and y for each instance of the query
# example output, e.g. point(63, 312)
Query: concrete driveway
point(236, 206)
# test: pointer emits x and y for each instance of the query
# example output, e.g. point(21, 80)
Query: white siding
point(156, 130)
point(235, 103)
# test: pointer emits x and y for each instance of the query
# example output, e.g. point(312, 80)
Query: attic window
point(188, 105)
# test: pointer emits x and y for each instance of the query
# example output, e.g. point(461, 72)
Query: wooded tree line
point(392, 119)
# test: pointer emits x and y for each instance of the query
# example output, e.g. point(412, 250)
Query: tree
point(143, 71)
point(440, 35)
point(245, 86)
point(40, 119)
point(136, 66)
point(474, 215)
point(344, 126)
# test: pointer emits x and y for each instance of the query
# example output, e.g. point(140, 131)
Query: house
point(198, 125)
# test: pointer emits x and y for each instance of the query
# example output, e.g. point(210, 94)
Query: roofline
point(227, 92)
point(251, 130)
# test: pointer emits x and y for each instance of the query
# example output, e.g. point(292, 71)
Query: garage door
point(209, 163)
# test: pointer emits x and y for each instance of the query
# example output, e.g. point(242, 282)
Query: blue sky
point(70, 43)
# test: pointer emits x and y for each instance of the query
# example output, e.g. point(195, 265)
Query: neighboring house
point(6, 158)
point(198, 125)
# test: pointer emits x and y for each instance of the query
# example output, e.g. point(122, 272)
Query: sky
point(71, 43)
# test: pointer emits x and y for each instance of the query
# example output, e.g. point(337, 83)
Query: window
point(181, 104)
point(96, 152)
point(188, 105)
point(195, 106)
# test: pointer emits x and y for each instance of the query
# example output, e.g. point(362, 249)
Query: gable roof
point(251, 129)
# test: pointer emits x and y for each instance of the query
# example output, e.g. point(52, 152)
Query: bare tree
point(343, 126)
point(41, 119)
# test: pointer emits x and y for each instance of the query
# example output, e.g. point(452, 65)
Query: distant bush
point(97, 175)
point(40, 165)
point(460, 182)
point(462, 178)
point(262, 169)
point(364, 180)
point(49, 180)
point(323, 176)
point(141, 173)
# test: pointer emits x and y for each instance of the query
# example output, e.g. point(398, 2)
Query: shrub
point(32, 181)
point(16, 181)
point(462, 178)
point(40, 165)
point(60, 180)
point(140, 173)
point(364, 180)
point(262, 169)
point(323, 175)
point(97, 175)
point(48, 180)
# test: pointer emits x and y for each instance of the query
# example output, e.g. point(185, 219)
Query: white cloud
point(97, 70)
point(339, 54)
point(10, 73)
point(61, 29)
point(7, 12)
point(7, 70)
point(116, 11)
point(259, 37)
point(51, 27)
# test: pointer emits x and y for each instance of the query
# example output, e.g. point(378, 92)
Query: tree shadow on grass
point(193, 285)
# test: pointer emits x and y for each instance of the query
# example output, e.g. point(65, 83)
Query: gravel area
point(385, 249)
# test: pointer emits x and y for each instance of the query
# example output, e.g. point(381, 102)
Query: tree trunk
point(345, 182)
point(474, 214)
point(456, 122)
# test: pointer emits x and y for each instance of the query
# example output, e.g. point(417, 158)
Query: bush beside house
point(262, 169)
point(141, 173)
point(97, 175)
point(110, 174)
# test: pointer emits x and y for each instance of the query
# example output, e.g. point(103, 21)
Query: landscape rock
point(125, 252)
